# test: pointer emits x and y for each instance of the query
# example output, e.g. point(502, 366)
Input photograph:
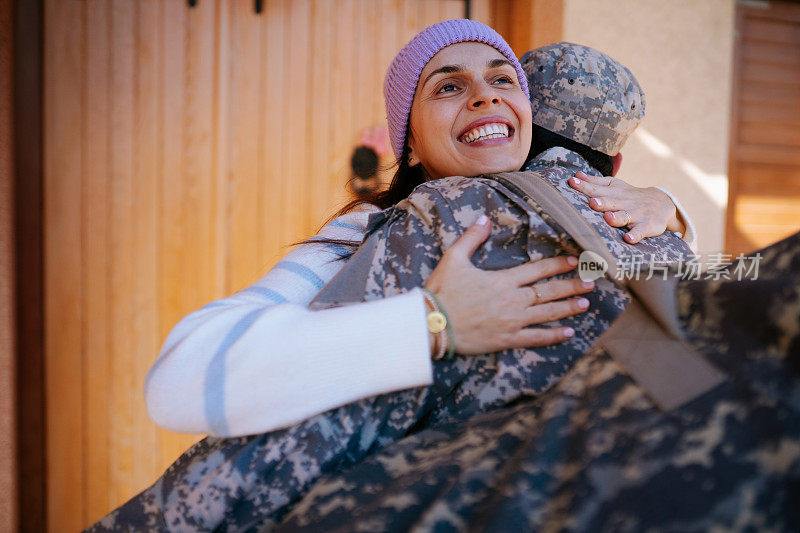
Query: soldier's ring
point(536, 295)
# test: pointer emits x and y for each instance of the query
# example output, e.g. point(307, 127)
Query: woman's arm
point(259, 360)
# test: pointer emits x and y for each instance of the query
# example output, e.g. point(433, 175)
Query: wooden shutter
point(764, 198)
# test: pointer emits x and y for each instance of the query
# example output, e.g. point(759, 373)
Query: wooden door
point(184, 149)
point(764, 197)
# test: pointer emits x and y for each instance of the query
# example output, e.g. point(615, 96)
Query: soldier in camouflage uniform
point(579, 93)
point(596, 453)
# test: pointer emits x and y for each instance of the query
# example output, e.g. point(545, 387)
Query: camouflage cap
point(584, 95)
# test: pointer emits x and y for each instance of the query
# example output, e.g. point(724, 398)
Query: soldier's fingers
point(618, 219)
point(597, 180)
point(540, 314)
point(531, 337)
point(472, 238)
point(556, 289)
point(544, 268)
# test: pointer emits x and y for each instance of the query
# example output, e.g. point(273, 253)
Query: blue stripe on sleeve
point(302, 271)
point(275, 296)
point(214, 386)
point(340, 224)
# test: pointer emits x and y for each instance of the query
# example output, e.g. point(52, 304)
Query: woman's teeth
point(487, 131)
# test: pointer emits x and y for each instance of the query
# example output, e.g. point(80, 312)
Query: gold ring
point(628, 218)
point(536, 294)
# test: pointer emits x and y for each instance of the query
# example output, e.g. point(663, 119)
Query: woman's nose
point(483, 95)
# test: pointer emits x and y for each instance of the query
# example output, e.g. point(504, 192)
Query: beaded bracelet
point(438, 320)
point(437, 323)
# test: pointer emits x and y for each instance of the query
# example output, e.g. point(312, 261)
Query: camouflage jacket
point(404, 243)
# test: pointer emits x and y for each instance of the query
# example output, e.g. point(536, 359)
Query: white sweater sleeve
point(259, 360)
point(690, 235)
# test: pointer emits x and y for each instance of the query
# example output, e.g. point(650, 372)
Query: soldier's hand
point(490, 310)
point(646, 212)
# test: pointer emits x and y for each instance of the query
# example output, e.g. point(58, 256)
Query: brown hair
point(406, 178)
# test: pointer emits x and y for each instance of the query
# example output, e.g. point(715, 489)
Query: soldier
point(585, 105)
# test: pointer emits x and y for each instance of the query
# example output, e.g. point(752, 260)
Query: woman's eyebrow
point(494, 63)
point(447, 69)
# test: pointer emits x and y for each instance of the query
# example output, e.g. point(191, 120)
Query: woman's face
point(469, 115)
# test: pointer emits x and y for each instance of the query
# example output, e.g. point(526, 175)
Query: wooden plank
point(777, 112)
point(144, 298)
point(778, 54)
point(293, 124)
point(776, 210)
point(274, 112)
point(772, 31)
point(121, 222)
point(63, 115)
point(769, 179)
point(782, 75)
point(783, 10)
point(173, 210)
point(242, 147)
point(769, 134)
point(754, 153)
point(762, 92)
point(29, 50)
point(9, 468)
point(733, 238)
point(95, 256)
point(220, 153)
point(319, 130)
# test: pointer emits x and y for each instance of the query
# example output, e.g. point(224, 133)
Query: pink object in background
point(376, 138)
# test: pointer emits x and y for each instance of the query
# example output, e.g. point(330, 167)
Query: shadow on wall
point(704, 192)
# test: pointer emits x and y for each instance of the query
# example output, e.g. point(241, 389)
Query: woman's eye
point(448, 88)
point(504, 79)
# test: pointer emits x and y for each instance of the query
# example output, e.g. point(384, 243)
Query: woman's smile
point(469, 115)
point(493, 128)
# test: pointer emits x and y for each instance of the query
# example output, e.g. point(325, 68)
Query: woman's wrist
point(676, 223)
point(438, 326)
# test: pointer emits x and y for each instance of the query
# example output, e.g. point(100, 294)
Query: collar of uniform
point(558, 156)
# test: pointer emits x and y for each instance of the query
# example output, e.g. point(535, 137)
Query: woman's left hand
point(647, 212)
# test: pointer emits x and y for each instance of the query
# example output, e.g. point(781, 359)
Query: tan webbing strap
point(552, 202)
point(646, 338)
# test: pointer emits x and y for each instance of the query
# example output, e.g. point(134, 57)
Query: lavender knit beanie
point(404, 72)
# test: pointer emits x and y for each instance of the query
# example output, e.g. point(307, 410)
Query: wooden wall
point(8, 393)
point(184, 149)
point(764, 195)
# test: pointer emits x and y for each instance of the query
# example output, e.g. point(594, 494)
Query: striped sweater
point(259, 360)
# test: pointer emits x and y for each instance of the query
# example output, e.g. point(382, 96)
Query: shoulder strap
point(546, 199)
point(645, 339)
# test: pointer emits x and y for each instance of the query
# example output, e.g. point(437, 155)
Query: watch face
point(436, 322)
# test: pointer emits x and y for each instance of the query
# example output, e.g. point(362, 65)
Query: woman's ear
point(412, 159)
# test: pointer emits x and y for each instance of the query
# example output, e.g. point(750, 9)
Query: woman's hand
point(489, 310)
point(648, 212)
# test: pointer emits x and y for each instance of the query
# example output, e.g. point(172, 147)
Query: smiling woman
point(469, 94)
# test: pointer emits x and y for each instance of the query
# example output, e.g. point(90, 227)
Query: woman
point(246, 364)
point(259, 360)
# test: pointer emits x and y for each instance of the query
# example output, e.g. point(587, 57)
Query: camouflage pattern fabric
point(594, 454)
point(236, 484)
point(583, 95)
